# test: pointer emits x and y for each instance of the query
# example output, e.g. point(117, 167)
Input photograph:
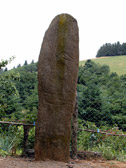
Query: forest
point(101, 102)
point(109, 49)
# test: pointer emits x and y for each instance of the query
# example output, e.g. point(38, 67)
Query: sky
point(23, 24)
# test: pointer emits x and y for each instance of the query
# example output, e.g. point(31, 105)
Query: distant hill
point(116, 63)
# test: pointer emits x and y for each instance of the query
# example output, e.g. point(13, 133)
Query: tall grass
point(10, 137)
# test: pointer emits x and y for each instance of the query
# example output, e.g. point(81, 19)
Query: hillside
point(116, 63)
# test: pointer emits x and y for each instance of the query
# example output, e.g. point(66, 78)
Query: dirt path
point(11, 162)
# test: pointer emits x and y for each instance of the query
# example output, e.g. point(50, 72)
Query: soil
point(17, 162)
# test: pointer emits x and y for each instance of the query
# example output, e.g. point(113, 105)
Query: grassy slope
point(116, 63)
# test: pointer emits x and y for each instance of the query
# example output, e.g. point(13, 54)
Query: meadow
point(116, 63)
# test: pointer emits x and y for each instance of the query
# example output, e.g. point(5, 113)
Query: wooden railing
point(26, 128)
point(102, 132)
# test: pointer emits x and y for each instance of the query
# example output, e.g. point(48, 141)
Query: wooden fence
point(26, 131)
point(102, 132)
point(27, 127)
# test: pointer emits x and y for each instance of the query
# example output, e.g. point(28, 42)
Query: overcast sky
point(24, 22)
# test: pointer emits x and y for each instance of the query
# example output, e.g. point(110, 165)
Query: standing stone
point(74, 130)
point(57, 80)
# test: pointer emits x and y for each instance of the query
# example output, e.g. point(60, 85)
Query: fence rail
point(26, 131)
point(15, 123)
point(27, 127)
point(102, 132)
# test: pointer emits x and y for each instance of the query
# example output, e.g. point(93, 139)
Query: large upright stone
point(57, 80)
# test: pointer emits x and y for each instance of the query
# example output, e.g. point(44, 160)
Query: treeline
point(101, 95)
point(109, 49)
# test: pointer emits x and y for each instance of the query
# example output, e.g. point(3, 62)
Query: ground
point(14, 162)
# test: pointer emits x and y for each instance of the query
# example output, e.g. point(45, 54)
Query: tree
point(25, 63)
point(109, 49)
point(7, 87)
point(3, 63)
point(92, 81)
point(19, 65)
point(32, 62)
point(90, 103)
point(21, 99)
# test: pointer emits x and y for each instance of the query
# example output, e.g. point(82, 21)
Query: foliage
point(10, 137)
point(20, 101)
point(3, 153)
point(102, 104)
point(111, 147)
point(90, 80)
point(31, 138)
point(102, 95)
point(3, 63)
point(26, 63)
point(7, 88)
point(27, 88)
point(109, 49)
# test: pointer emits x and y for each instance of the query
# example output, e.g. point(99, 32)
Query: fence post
point(25, 145)
point(74, 130)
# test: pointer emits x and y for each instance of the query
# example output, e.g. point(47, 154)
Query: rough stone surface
point(57, 79)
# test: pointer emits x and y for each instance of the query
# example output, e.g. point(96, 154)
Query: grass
point(116, 63)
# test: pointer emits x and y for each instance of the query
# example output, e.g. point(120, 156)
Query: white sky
point(24, 22)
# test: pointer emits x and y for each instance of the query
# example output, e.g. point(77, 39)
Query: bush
point(111, 147)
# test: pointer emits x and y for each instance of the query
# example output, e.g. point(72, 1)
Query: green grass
point(116, 63)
